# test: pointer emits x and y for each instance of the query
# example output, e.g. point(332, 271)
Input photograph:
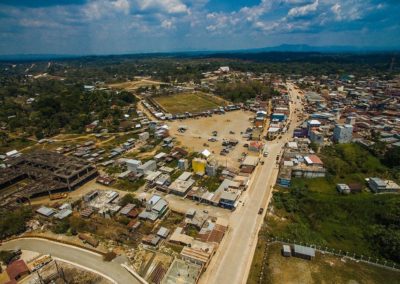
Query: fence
point(382, 263)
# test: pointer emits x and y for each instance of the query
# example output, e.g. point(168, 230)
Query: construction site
point(41, 173)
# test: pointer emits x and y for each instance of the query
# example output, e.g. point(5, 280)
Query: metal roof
point(304, 250)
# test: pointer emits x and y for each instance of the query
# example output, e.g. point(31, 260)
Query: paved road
point(232, 262)
point(74, 255)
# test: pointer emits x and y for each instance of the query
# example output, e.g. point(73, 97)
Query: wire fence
point(382, 263)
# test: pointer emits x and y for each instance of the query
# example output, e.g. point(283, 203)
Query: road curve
point(81, 257)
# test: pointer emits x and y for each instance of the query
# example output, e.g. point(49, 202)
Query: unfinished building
point(46, 172)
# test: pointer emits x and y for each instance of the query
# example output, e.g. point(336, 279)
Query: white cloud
point(303, 10)
point(168, 6)
point(167, 24)
point(122, 5)
point(337, 10)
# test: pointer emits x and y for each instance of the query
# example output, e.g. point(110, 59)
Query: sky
point(135, 26)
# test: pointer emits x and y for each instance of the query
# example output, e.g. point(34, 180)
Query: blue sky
point(129, 26)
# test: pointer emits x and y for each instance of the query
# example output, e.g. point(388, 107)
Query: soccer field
point(188, 102)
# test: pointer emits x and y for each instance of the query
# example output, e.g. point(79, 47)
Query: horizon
point(283, 48)
point(117, 27)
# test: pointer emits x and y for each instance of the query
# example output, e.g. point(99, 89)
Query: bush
point(12, 223)
point(109, 256)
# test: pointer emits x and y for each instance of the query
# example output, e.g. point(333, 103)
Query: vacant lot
point(188, 102)
point(133, 85)
point(200, 130)
point(322, 269)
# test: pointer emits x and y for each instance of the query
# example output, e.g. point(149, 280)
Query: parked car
point(260, 211)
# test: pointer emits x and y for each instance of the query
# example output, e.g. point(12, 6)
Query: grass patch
point(172, 220)
point(312, 211)
point(175, 247)
point(15, 144)
point(187, 102)
point(127, 185)
point(258, 262)
point(211, 183)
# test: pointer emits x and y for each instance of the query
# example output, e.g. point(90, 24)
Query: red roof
point(16, 269)
point(315, 159)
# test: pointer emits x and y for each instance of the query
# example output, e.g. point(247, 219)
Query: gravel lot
point(200, 130)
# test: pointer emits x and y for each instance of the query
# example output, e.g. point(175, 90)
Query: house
point(256, 146)
point(151, 240)
point(127, 208)
point(17, 270)
point(182, 184)
point(64, 213)
point(378, 185)
point(228, 199)
point(179, 237)
point(46, 211)
point(156, 207)
point(199, 253)
point(163, 232)
point(313, 160)
point(249, 164)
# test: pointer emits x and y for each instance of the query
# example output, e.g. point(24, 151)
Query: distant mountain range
point(324, 49)
point(296, 48)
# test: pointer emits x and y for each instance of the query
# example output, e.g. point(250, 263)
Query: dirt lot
point(322, 269)
point(133, 85)
point(191, 102)
point(200, 130)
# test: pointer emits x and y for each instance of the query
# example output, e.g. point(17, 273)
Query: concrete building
point(199, 166)
point(146, 167)
point(183, 164)
point(133, 165)
point(316, 137)
point(343, 133)
point(312, 125)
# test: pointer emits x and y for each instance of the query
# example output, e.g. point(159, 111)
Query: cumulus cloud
point(135, 23)
point(303, 10)
point(168, 6)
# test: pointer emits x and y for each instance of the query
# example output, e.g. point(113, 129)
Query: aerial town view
point(210, 142)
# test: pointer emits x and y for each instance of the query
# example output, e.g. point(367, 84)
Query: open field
point(133, 85)
point(188, 102)
point(200, 130)
point(322, 269)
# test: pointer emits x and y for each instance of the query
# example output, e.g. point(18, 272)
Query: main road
point(232, 262)
point(80, 257)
